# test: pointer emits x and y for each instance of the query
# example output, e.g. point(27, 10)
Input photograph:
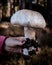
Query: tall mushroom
point(29, 19)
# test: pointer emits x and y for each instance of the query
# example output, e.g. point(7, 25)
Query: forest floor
point(43, 58)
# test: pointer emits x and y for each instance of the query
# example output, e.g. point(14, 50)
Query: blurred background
point(8, 7)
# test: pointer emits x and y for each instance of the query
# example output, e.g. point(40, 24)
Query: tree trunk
point(0, 1)
point(37, 1)
point(21, 4)
point(49, 9)
point(30, 4)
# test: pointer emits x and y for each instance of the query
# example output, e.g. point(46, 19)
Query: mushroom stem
point(29, 33)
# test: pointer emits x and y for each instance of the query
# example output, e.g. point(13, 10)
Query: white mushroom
point(28, 19)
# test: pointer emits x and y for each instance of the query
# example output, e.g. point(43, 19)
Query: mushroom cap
point(28, 18)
